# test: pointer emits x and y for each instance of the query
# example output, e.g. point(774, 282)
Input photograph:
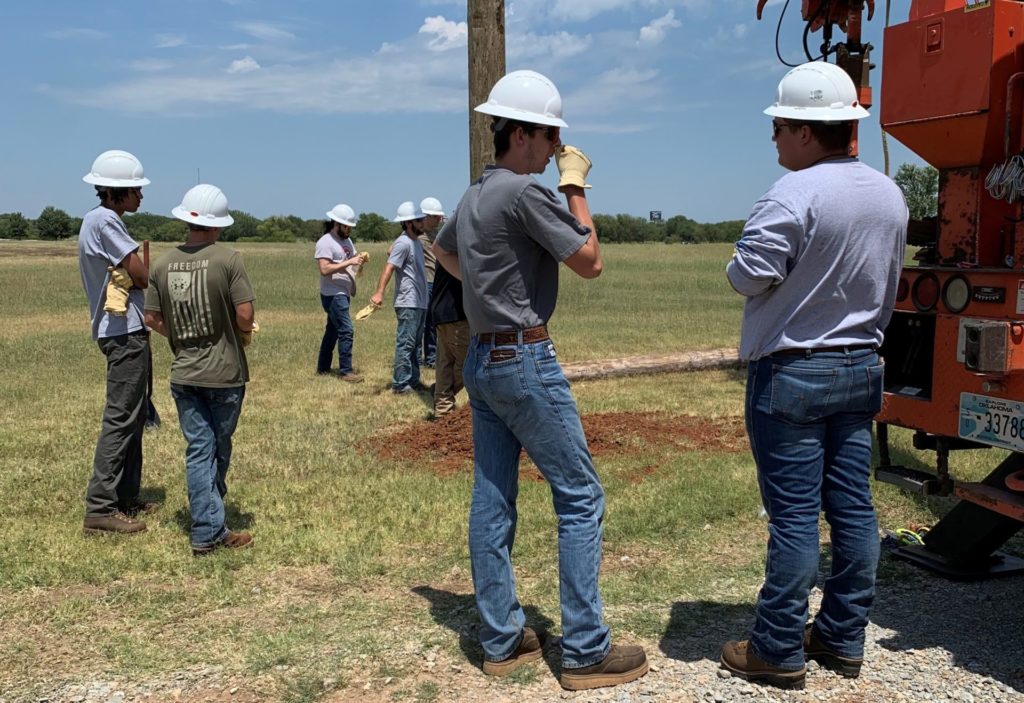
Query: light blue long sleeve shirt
point(819, 260)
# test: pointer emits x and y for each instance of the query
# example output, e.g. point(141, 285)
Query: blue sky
point(291, 107)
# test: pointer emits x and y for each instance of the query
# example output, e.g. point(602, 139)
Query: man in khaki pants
point(449, 319)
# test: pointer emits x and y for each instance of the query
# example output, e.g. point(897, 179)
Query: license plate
point(994, 421)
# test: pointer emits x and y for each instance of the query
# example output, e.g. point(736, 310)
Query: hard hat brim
point(847, 113)
point(204, 220)
point(95, 180)
point(520, 115)
point(348, 223)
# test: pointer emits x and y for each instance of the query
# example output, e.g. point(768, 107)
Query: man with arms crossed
point(114, 276)
point(819, 263)
point(201, 300)
point(505, 241)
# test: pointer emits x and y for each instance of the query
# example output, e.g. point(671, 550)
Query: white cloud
point(655, 32)
point(532, 46)
point(447, 34)
point(433, 81)
point(740, 31)
point(613, 91)
point(265, 31)
point(246, 65)
point(169, 41)
point(76, 33)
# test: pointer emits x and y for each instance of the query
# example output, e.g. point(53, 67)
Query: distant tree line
point(53, 223)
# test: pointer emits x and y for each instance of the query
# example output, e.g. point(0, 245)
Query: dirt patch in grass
point(40, 250)
point(445, 445)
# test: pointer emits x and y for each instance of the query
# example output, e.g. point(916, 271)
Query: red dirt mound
point(445, 445)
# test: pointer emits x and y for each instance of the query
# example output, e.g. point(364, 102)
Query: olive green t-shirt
point(195, 288)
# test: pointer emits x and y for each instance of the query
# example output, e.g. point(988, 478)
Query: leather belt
point(843, 348)
point(529, 335)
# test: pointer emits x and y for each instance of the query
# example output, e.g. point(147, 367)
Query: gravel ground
point(930, 640)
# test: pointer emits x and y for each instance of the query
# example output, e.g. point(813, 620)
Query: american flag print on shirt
point(191, 314)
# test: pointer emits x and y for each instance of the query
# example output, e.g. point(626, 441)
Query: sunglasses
point(777, 127)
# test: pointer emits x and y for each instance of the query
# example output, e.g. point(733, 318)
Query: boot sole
point(97, 531)
point(848, 669)
point(506, 667)
point(575, 682)
point(794, 681)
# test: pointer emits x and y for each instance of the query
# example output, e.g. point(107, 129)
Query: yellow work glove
point(247, 336)
point(366, 312)
point(117, 291)
point(573, 165)
point(366, 260)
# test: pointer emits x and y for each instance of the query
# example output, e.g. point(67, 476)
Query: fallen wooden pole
point(660, 363)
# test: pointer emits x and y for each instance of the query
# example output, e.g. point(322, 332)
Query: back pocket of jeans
point(801, 394)
point(503, 377)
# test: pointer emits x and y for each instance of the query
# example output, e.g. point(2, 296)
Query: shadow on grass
point(234, 518)
point(153, 494)
point(457, 612)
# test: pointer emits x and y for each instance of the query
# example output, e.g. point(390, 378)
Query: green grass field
point(357, 558)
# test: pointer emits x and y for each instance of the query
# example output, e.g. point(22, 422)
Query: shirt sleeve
point(549, 223)
point(771, 241)
point(115, 241)
point(152, 300)
point(238, 281)
point(323, 251)
point(400, 251)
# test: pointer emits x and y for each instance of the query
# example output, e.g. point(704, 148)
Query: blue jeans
point(208, 417)
point(407, 337)
point(429, 334)
point(520, 399)
point(809, 422)
point(339, 331)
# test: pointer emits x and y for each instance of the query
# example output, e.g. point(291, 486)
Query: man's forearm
point(449, 260)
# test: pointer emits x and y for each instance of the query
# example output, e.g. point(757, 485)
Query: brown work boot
point(234, 540)
point(529, 649)
point(816, 650)
point(115, 523)
point(351, 377)
point(739, 658)
point(623, 663)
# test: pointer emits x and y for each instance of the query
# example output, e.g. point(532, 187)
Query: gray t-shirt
point(510, 233)
point(104, 241)
point(337, 250)
point(820, 259)
point(410, 275)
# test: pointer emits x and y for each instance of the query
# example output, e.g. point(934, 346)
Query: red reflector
point(925, 292)
point(194, 214)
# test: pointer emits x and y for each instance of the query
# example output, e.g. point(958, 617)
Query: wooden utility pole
point(486, 66)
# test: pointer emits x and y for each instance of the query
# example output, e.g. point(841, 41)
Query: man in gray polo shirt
point(107, 253)
point(505, 241)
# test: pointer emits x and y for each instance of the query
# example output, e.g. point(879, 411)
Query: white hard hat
point(408, 211)
point(204, 205)
point(817, 92)
point(431, 206)
point(343, 214)
point(116, 169)
point(526, 96)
